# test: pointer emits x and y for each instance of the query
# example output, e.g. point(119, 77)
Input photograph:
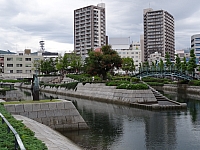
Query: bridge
point(164, 73)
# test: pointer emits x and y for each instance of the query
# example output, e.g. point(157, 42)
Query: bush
point(155, 83)
point(194, 82)
point(116, 83)
point(151, 79)
point(138, 86)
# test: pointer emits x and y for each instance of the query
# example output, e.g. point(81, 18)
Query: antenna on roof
point(149, 4)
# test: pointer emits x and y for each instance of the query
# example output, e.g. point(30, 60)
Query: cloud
point(24, 23)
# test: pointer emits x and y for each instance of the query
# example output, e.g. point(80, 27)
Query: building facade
point(126, 49)
point(89, 28)
point(195, 44)
point(158, 33)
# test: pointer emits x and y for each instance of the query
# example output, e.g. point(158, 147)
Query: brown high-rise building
point(158, 33)
point(89, 28)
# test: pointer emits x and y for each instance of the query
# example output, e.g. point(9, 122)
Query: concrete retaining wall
point(58, 115)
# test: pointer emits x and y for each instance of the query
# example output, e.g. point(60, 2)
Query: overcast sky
point(23, 23)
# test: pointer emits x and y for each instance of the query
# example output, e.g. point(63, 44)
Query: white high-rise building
point(158, 33)
point(195, 44)
point(89, 28)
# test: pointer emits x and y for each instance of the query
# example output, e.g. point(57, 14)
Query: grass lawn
point(30, 101)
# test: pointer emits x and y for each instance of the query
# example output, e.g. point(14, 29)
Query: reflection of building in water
point(160, 130)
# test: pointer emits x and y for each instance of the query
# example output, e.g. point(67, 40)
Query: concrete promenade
point(52, 139)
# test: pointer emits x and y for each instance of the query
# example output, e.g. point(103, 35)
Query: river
point(115, 127)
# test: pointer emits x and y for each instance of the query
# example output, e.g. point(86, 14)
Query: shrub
point(138, 86)
point(194, 82)
point(116, 83)
point(155, 83)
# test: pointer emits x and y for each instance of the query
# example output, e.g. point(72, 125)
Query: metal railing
point(18, 141)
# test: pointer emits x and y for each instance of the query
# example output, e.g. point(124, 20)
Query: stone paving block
point(28, 107)
point(10, 108)
point(62, 120)
point(69, 105)
point(49, 113)
point(19, 108)
point(60, 105)
point(33, 114)
point(41, 113)
point(46, 121)
point(44, 106)
point(73, 112)
point(26, 114)
point(52, 106)
point(57, 112)
point(36, 107)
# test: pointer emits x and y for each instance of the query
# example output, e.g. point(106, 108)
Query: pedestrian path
point(52, 139)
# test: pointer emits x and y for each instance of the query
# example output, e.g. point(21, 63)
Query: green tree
point(168, 60)
point(100, 63)
point(192, 63)
point(161, 65)
point(59, 64)
point(48, 66)
point(184, 65)
point(128, 65)
point(178, 62)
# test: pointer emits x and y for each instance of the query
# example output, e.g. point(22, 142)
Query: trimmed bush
point(155, 83)
point(194, 82)
point(116, 83)
point(138, 86)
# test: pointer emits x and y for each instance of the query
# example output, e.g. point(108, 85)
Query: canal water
point(115, 127)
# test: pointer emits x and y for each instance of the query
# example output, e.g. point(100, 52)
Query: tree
point(178, 62)
point(48, 66)
point(168, 60)
point(161, 65)
point(184, 65)
point(192, 63)
point(99, 63)
point(128, 65)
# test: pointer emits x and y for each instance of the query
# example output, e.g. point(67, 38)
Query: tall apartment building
point(89, 28)
point(158, 33)
point(195, 44)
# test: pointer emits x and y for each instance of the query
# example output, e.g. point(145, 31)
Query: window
point(28, 65)
point(28, 71)
point(136, 52)
point(9, 65)
point(197, 39)
point(197, 44)
point(10, 71)
point(27, 59)
point(18, 59)
point(9, 59)
point(18, 65)
point(19, 71)
point(197, 49)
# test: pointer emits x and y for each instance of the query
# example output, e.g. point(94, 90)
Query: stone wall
point(105, 93)
point(61, 115)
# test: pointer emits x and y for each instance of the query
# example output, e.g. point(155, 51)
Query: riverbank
point(145, 99)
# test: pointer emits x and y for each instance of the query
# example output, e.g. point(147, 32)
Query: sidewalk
point(52, 139)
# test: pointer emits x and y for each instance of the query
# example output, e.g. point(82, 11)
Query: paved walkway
point(52, 139)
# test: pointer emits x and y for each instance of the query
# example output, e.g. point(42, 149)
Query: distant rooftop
point(6, 52)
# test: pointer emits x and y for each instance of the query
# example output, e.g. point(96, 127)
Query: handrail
point(18, 141)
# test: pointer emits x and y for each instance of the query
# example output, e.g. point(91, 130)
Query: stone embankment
point(98, 91)
point(61, 115)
